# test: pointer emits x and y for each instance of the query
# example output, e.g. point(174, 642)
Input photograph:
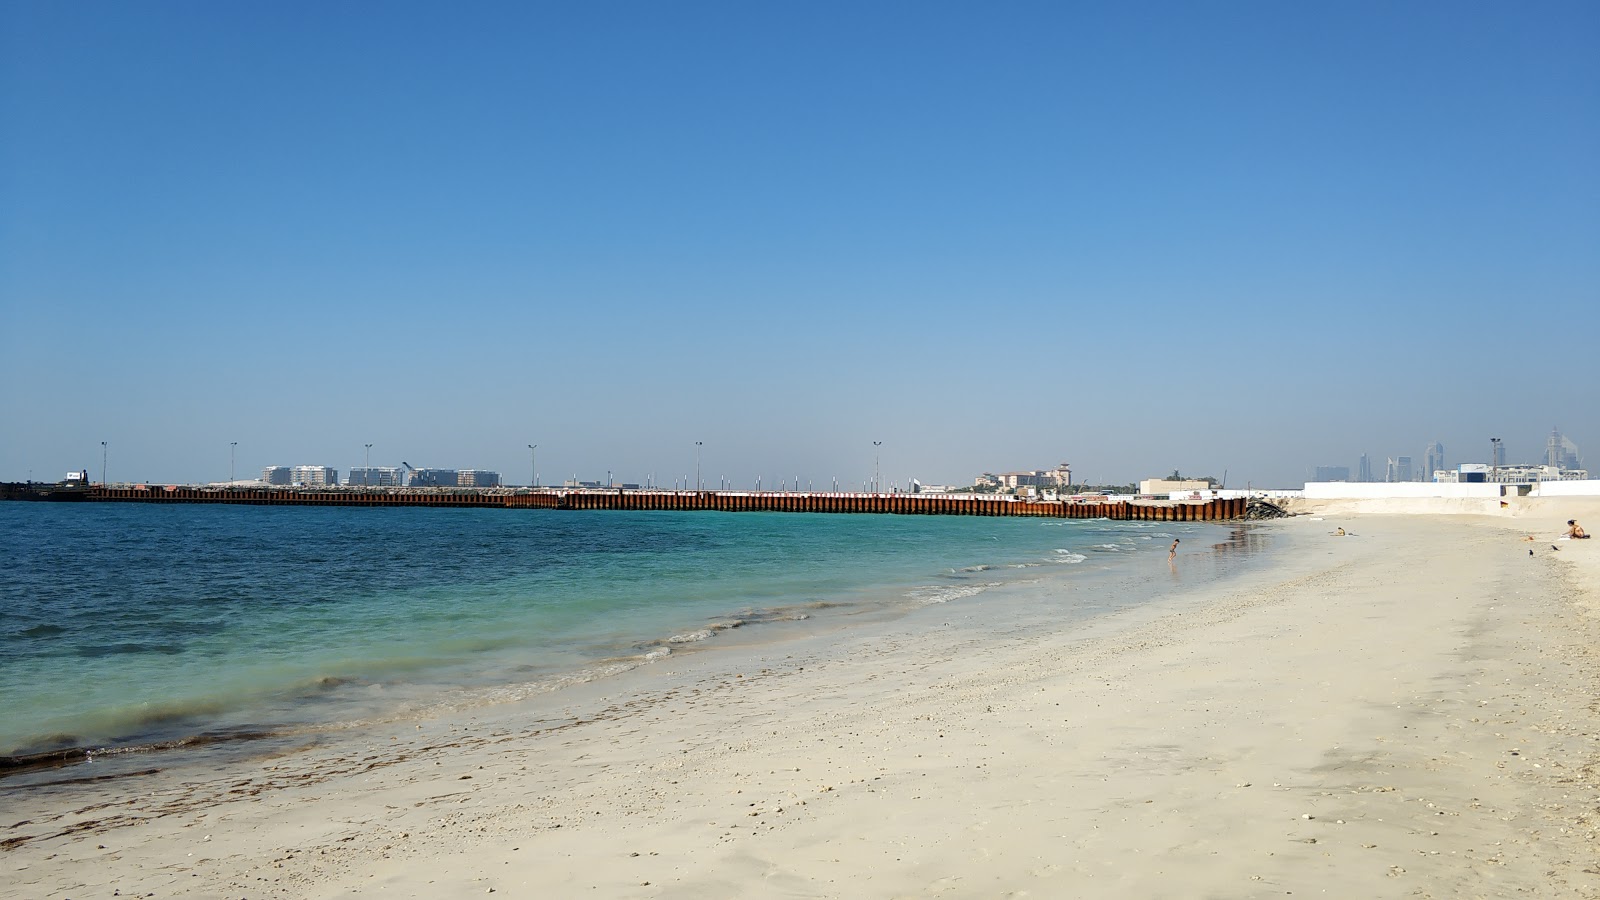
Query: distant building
point(477, 478)
point(1167, 485)
point(1364, 470)
point(1433, 459)
point(434, 478)
point(1332, 473)
point(1561, 452)
point(1497, 456)
point(314, 476)
point(277, 475)
point(918, 487)
point(1478, 472)
point(1059, 477)
point(374, 476)
point(1399, 470)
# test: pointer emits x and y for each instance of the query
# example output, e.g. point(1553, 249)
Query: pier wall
point(719, 501)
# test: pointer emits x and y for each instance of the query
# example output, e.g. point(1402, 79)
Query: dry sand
point(1407, 711)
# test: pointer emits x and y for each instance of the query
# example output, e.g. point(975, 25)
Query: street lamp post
point(366, 471)
point(1494, 458)
point(877, 485)
point(697, 464)
point(103, 452)
point(233, 447)
point(533, 465)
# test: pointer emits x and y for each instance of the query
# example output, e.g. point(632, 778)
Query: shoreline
point(342, 703)
point(1395, 713)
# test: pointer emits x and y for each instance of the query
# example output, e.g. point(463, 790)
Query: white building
point(1478, 472)
point(314, 476)
point(1059, 477)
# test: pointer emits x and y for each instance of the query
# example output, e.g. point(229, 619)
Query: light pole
point(1494, 458)
point(697, 464)
point(233, 447)
point(103, 452)
point(366, 471)
point(533, 465)
point(877, 486)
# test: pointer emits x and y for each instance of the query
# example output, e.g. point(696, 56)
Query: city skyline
point(1249, 239)
point(1419, 468)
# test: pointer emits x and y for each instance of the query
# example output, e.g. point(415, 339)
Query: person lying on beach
point(1574, 530)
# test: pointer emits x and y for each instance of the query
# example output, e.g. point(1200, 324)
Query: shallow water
point(126, 625)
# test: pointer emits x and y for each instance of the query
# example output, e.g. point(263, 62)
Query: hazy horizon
point(1248, 238)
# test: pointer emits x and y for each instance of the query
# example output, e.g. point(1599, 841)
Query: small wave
point(1067, 557)
point(982, 568)
point(941, 594)
point(690, 637)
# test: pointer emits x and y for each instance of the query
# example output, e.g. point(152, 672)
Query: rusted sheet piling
point(1217, 509)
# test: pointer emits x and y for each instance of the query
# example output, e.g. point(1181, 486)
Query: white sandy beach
point(1407, 711)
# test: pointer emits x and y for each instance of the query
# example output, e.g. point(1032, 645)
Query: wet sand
point(1405, 711)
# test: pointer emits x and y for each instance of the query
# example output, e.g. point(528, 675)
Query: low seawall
point(717, 501)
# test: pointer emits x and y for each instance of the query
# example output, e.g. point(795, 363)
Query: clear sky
point(1242, 237)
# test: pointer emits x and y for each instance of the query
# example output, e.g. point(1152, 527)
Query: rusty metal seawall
point(720, 501)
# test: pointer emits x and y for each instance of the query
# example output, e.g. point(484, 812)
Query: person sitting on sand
point(1339, 533)
point(1574, 530)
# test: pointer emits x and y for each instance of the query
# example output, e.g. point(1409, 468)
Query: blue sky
point(1252, 237)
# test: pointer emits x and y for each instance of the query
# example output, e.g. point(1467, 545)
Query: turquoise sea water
point(123, 625)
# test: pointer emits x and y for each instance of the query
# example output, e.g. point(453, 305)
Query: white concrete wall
point(1589, 488)
point(1345, 490)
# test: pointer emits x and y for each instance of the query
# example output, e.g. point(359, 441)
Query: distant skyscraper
point(1364, 470)
point(1399, 469)
point(1561, 452)
point(1434, 460)
point(1499, 459)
